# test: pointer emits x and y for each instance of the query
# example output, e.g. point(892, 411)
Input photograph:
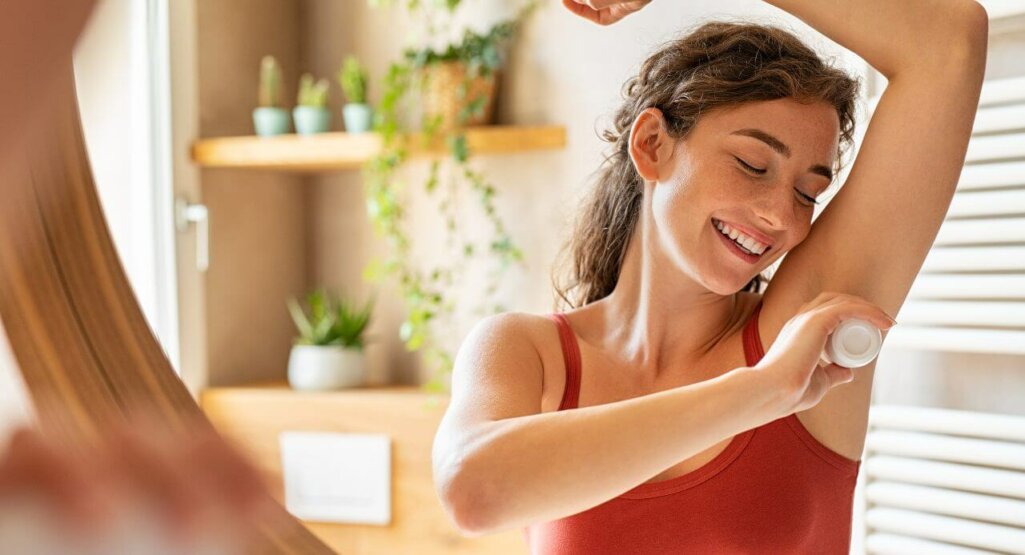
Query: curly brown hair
point(716, 65)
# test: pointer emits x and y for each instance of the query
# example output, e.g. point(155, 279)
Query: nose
point(775, 211)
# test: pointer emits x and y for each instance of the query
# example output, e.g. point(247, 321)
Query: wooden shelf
point(254, 416)
point(341, 151)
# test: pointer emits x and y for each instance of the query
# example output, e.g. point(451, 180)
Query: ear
point(650, 145)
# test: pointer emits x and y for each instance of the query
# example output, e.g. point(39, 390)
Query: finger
point(607, 14)
point(34, 467)
point(834, 297)
point(236, 500)
point(228, 472)
point(837, 375)
point(138, 467)
point(229, 489)
point(851, 306)
point(839, 307)
point(599, 5)
point(581, 10)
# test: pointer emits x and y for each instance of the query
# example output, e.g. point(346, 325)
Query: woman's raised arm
point(897, 36)
point(873, 238)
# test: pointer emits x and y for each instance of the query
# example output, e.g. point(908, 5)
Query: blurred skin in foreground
point(141, 489)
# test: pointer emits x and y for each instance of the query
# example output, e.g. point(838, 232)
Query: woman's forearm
point(895, 35)
point(552, 465)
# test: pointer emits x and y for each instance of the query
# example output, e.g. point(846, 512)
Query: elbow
point(960, 50)
point(464, 501)
point(974, 21)
point(977, 18)
point(466, 508)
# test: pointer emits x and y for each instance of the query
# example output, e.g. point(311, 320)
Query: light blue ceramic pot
point(311, 119)
point(270, 121)
point(358, 117)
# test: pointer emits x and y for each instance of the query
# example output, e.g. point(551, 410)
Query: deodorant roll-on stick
point(854, 343)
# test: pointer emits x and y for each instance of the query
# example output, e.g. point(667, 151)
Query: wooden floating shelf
point(254, 416)
point(343, 151)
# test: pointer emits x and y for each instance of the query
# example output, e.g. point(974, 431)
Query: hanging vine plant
point(427, 292)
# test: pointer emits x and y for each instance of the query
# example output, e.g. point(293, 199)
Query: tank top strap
point(753, 352)
point(571, 358)
point(753, 349)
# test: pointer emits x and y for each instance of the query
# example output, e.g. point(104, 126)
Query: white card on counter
point(337, 477)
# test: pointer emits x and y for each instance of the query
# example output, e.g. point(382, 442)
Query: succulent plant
point(330, 321)
point(270, 82)
point(353, 80)
point(312, 93)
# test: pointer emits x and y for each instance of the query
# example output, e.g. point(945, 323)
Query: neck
point(657, 320)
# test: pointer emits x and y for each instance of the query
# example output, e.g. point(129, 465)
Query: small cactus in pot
point(270, 118)
point(352, 77)
point(311, 115)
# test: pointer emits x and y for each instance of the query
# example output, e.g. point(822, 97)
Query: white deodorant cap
point(854, 343)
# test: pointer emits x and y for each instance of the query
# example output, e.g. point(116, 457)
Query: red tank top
point(774, 489)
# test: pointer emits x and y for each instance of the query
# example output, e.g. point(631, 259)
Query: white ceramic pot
point(313, 367)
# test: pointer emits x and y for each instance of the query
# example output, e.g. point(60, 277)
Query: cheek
point(800, 233)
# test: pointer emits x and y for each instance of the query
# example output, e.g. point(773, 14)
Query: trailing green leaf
point(426, 292)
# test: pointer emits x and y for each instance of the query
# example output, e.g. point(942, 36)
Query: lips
point(760, 237)
point(732, 246)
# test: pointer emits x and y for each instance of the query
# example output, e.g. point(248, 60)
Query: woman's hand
point(604, 12)
point(141, 486)
point(793, 359)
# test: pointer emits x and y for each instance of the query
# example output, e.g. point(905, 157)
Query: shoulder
point(518, 327)
point(499, 370)
point(514, 335)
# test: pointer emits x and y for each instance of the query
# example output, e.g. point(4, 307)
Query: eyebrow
point(781, 148)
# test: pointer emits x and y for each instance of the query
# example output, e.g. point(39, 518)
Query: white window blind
point(944, 481)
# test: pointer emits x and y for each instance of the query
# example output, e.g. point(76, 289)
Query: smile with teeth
point(745, 243)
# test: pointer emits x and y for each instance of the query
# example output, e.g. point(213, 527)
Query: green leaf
point(458, 146)
point(374, 271)
point(299, 317)
point(432, 179)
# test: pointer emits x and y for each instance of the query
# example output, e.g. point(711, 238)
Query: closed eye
point(758, 171)
point(749, 167)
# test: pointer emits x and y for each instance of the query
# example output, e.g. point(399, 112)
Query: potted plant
point(358, 115)
point(311, 115)
point(328, 353)
point(431, 293)
point(269, 118)
point(460, 83)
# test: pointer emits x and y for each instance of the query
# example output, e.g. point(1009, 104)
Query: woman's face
point(790, 148)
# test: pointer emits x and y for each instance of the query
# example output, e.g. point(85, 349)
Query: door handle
point(185, 214)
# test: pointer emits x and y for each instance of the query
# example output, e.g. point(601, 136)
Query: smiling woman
point(677, 406)
point(715, 155)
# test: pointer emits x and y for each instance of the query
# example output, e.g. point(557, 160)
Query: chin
point(725, 286)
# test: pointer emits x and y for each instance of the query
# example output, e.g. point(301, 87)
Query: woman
point(646, 419)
